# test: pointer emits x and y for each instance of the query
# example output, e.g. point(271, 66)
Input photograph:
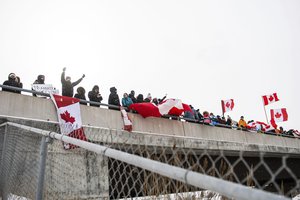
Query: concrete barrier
point(24, 106)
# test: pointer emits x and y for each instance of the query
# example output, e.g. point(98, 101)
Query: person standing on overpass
point(67, 85)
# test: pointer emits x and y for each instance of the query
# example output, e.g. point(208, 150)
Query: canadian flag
point(170, 106)
point(279, 115)
point(227, 105)
point(69, 118)
point(267, 99)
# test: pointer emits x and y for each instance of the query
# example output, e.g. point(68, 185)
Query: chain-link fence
point(19, 163)
point(125, 167)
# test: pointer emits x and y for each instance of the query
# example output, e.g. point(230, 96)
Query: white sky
point(197, 51)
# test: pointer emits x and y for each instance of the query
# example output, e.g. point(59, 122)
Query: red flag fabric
point(187, 108)
point(170, 106)
point(126, 120)
point(227, 105)
point(279, 115)
point(69, 117)
point(268, 99)
point(146, 109)
point(273, 123)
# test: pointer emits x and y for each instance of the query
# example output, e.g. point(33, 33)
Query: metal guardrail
point(47, 95)
point(165, 116)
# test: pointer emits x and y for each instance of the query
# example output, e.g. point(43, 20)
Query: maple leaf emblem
point(271, 98)
point(277, 115)
point(227, 104)
point(67, 117)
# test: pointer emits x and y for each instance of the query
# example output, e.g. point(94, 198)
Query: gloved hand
point(64, 69)
point(83, 75)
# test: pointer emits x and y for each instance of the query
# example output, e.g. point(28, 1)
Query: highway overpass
point(104, 126)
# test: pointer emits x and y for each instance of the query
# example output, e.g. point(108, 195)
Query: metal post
point(2, 174)
point(265, 111)
point(42, 167)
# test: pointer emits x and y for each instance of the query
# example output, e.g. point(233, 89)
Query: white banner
point(45, 88)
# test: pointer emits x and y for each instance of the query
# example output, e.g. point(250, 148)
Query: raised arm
point(63, 80)
point(78, 81)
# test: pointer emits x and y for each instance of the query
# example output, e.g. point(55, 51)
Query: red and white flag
point(227, 105)
point(268, 99)
point(256, 126)
point(69, 118)
point(279, 115)
point(126, 120)
point(173, 106)
point(170, 106)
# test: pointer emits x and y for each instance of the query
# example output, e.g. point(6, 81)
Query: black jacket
point(132, 97)
point(67, 86)
point(140, 98)
point(13, 83)
point(93, 96)
point(80, 96)
point(113, 98)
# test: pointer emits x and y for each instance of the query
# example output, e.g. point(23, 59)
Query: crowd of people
point(193, 115)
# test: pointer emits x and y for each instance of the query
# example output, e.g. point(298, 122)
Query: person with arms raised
point(67, 85)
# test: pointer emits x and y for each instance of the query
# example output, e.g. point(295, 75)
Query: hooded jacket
point(113, 98)
point(95, 96)
point(67, 86)
point(11, 82)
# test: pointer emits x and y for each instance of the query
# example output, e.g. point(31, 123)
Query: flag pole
point(222, 105)
point(265, 110)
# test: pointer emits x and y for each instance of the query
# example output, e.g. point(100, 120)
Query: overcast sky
point(198, 51)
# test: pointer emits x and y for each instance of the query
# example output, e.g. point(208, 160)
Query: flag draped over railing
point(168, 107)
point(69, 118)
point(126, 120)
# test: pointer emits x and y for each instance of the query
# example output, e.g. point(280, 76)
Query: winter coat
point(126, 102)
point(140, 98)
point(94, 96)
point(38, 81)
point(242, 123)
point(113, 98)
point(67, 86)
point(131, 96)
point(11, 82)
point(80, 96)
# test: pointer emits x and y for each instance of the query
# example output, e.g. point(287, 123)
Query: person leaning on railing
point(40, 80)
point(95, 96)
point(113, 99)
point(242, 123)
point(12, 81)
point(80, 95)
point(126, 100)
